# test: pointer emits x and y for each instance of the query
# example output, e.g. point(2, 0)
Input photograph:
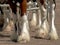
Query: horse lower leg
point(24, 35)
point(53, 32)
point(34, 20)
point(43, 30)
point(7, 24)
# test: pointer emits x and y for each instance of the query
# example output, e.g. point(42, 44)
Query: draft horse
point(24, 34)
point(46, 27)
point(43, 30)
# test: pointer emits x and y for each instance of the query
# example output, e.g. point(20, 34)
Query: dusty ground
point(7, 41)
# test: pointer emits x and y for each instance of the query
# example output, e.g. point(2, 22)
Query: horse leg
point(12, 21)
point(8, 25)
point(24, 35)
point(34, 20)
point(53, 33)
point(43, 30)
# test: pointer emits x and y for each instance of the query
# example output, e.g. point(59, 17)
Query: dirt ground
point(33, 41)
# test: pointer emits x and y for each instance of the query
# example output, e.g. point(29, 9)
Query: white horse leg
point(53, 33)
point(34, 19)
point(24, 36)
point(38, 18)
point(9, 27)
point(9, 24)
point(43, 30)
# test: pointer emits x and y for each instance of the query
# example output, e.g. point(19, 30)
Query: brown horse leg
point(24, 37)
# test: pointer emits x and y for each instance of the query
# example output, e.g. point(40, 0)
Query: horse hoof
point(41, 33)
point(53, 36)
point(14, 37)
point(23, 39)
point(33, 23)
